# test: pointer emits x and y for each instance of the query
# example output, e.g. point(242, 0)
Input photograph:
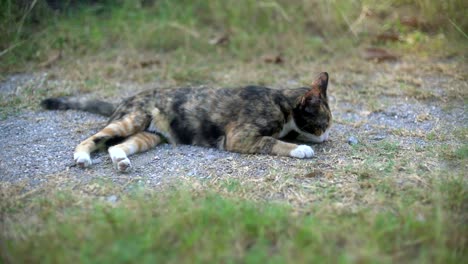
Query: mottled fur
point(250, 119)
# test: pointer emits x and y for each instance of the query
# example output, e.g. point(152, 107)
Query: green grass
point(197, 225)
point(378, 159)
point(301, 29)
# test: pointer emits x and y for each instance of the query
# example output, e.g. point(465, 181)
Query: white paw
point(302, 152)
point(119, 158)
point(117, 154)
point(82, 159)
point(124, 165)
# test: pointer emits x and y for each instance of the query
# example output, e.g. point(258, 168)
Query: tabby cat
point(250, 119)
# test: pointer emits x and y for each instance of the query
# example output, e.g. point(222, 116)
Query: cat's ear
point(318, 90)
point(321, 82)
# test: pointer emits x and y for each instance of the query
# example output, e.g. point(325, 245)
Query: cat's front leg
point(240, 142)
point(246, 138)
point(273, 146)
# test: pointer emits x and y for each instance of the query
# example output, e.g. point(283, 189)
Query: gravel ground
point(37, 145)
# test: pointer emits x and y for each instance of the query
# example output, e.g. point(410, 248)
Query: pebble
point(378, 137)
point(352, 140)
point(111, 199)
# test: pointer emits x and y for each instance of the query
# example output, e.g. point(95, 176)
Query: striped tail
point(92, 106)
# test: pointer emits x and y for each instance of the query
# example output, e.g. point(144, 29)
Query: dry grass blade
point(185, 29)
point(54, 57)
point(412, 21)
point(273, 58)
point(221, 39)
point(458, 28)
point(353, 27)
point(378, 54)
point(389, 36)
point(149, 63)
point(276, 6)
point(5, 51)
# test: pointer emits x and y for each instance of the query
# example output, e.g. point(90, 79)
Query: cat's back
point(225, 102)
point(228, 103)
point(200, 115)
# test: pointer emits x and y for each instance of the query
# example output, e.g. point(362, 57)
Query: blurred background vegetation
point(35, 31)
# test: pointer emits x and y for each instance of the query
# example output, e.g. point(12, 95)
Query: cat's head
point(312, 114)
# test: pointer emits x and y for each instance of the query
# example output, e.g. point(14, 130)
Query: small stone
point(378, 137)
point(352, 140)
point(112, 199)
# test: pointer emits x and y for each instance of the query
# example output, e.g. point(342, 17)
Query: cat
point(251, 119)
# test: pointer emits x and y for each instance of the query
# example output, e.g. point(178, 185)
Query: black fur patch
point(114, 141)
point(180, 125)
point(270, 128)
point(315, 123)
point(211, 132)
point(299, 118)
point(280, 100)
point(291, 136)
point(182, 132)
point(254, 93)
point(108, 141)
point(54, 104)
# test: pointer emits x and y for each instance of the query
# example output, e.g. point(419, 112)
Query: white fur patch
point(82, 159)
point(117, 154)
point(313, 138)
point(304, 136)
point(151, 127)
point(302, 152)
point(124, 165)
point(119, 158)
point(288, 127)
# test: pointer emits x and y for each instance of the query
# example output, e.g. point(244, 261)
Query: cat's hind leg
point(122, 128)
point(139, 142)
